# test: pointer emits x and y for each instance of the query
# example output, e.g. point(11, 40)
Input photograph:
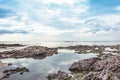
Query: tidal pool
point(40, 68)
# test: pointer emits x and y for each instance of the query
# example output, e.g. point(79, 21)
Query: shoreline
point(104, 52)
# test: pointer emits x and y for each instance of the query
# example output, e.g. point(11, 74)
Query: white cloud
point(47, 30)
point(110, 20)
point(102, 35)
point(49, 13)
point(106, 20)
point(70, 2)
point(37, 18)
point(71, 20)
point(12, 24)
point(26, 37)
point(82, 8)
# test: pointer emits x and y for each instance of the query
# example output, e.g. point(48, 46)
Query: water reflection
point(39, 69)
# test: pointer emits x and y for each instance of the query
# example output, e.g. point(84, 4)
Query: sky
point(59, 20)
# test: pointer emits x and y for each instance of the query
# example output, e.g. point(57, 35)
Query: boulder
point(60, 75)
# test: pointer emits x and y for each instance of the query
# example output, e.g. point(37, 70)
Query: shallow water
point(39, 69)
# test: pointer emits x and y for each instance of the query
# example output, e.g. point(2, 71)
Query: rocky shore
point(105, 67)
point(38, 52)
point(99, 49)
point(10, 45)
point(41, 52)
point(8, 73)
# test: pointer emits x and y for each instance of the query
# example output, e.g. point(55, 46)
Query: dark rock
point(9, 64)
point(3, 47)
point(83, 65)
point(7, 73)
point(59, 76)
point(97, 64)
point(104, 75)
point(31, 51)
point(106, 67)
point(112, 63)
point(99, 49)
point(10, 45)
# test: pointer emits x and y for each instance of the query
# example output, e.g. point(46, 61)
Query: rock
point(97, 64)
point(3, 47)
point(31, 51)
point(7, 73)
point(106, 67)
point(83, 65)
point(9, 64)
point(103, 67)
point(12, 71)
point(99, 49)
point(10, 45)
point(112, 63)
point(104, 75)
point(59, 76)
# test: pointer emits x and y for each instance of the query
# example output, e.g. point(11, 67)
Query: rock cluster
point(106, 67)
point(7, 73)
point(31, 51)
point(10, 45)
point(92, 49)
point(111, 63)
point(58, 76)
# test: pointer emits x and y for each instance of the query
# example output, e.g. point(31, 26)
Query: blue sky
point(59, 20)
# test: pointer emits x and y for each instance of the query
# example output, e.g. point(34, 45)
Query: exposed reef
point(106, 67)
point(10, 45)
point(31, 51)
point(99, 49)
point(8, 73)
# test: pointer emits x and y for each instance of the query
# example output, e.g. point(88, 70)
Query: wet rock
point(97, 64)
point(99, 49)
point(112, 63)
point(8, 73)
point(83, 65)
point(86, 48)
point(58, 76)
point(10, 45)
point(104, 75)
point(9, 64)
point(103, 67)
point(2, 47)
point(12, 71)
point(31, 51)
point(100, 68)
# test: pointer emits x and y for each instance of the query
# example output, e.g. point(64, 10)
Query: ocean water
point(61, 43)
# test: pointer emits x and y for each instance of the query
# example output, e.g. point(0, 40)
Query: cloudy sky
point(59, 20)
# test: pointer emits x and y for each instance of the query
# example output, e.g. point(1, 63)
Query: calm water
point(39, 69)
point(56, 44)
